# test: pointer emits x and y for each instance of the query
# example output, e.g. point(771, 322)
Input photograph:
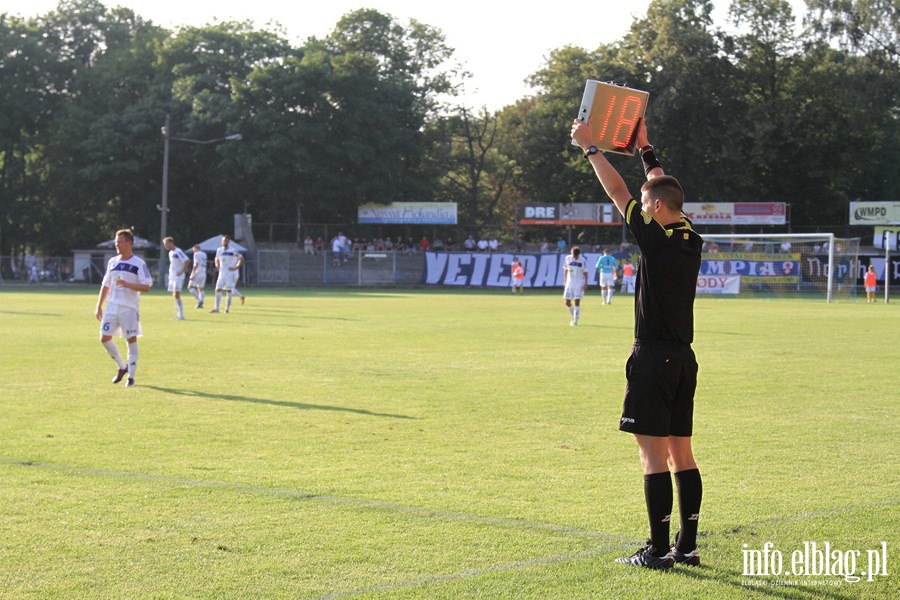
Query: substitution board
point(612, 113)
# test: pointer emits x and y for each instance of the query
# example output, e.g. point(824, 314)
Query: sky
point(499, 42)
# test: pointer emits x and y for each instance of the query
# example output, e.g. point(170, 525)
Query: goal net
point(377, 268)
point(800, 264)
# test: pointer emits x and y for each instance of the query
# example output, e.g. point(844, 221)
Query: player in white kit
point(178, 266)
point(126, 277)
point(197, 281)
point(575, 279)
point(228, 262)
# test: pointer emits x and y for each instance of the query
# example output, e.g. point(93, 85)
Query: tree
point(870, 27)
point(696, 97)
point(347, 116)
point(203, 69)
point(101, 149)
point(29, 79)
point(477, 173)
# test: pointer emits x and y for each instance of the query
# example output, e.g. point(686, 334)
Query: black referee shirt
point(667, 277)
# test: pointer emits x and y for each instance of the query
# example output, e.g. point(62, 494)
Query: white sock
point(179, 306)
point(237, 293)
point(132, 359)
point(113, 350)
point(577, 313)
point(194, 293)
point(572, 311)
point(200, 296)
point(609, 295)
point(218, 299)
point(228, 302)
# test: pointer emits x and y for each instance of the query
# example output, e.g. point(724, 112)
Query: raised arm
point(609, 178)
point(652, 168)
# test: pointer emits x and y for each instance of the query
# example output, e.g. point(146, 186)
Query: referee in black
point(662, 370)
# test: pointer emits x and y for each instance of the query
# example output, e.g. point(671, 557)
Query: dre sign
point(540, 212)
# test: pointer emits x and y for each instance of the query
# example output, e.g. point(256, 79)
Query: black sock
point(658, 496)
point(690, 494)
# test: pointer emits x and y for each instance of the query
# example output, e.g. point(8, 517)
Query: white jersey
point(177, 260)
point(577, 270)
point(199, 272)
point(227, 258)
point(132, 270)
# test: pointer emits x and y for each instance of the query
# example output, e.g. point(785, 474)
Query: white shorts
point(573, 294)
point(607, 280)
point(227, 280)
point(872, 290)
point(199, 282)
point(176, 283)
point(518, 282)
point(121, 321)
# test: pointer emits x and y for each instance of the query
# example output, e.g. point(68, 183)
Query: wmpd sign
point(875, 213)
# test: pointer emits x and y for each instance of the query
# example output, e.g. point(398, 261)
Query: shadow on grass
point(773, 587)
point(295, 312)
point(297, 405)
point(29, 314)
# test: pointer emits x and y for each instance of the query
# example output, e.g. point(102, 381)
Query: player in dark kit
point(662, 370)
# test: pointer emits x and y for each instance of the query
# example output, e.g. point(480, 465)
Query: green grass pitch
point(431, 444)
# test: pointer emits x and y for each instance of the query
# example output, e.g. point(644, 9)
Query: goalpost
point(784, 264)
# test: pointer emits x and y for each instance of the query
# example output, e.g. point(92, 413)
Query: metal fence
point(82, 269)
point(34, 269)
point(354, 268)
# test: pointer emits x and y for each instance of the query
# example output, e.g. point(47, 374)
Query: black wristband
point(649, 160)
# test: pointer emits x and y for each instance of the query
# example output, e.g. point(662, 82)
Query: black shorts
point(659, 395)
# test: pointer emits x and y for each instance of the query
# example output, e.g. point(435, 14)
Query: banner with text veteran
point(408, 213)
point(475, 269)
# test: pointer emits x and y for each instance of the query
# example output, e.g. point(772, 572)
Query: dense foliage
point(766, 111)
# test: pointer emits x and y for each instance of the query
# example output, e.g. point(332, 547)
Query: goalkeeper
point(662, 369)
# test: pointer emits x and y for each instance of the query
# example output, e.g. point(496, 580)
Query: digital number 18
point(625, 121)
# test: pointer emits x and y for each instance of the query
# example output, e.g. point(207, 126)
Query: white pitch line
point(515, 566)
point(618, 542)
point(301, 495)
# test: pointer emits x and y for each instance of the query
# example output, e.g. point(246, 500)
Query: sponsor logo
point(540, 212)
point(870, 213)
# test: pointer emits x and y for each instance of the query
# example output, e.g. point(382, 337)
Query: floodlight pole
point(830, 287)
point(164, 206)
